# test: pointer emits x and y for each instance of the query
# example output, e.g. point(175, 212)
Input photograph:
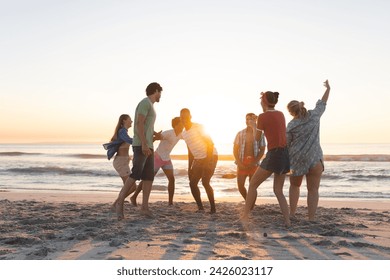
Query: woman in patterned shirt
point(306, 158)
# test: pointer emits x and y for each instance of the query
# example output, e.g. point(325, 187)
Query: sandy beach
point(79, 226)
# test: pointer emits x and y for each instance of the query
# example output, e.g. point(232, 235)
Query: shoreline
point(107, 197)
point(349, 157)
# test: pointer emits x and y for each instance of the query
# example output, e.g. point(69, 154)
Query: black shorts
point(143, 166)
point(276, 161)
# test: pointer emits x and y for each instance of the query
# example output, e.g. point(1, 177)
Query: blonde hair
point(297, 109)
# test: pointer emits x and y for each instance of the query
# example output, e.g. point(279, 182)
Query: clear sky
point(68, 69)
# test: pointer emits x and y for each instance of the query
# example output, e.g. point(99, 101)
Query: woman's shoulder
point(122, 130)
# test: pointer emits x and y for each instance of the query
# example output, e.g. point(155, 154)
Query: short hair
point(185, 110)
point(175, 121)
point(251, 115)
point(152, 87)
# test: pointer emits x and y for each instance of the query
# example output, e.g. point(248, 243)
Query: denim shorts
point(143, 166)
point(276, 161)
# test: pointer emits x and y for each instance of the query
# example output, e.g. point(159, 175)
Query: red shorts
point(250, 170)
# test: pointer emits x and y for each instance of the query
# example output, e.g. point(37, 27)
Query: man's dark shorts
point(143, 166)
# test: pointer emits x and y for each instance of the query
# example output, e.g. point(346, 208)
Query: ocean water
point(351, 171)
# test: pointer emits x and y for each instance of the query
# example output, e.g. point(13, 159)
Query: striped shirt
point(196, 141)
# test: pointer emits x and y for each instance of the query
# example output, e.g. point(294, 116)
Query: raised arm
point(326, 94)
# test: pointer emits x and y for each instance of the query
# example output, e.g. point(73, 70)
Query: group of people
point(146, 162)
point(293, 149)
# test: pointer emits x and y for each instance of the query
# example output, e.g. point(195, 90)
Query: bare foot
point(119, 211)
point(133, 201)
point(287, 223)
point(113, 207)
point(244, 218)
point(294, 218)
point(146, 213)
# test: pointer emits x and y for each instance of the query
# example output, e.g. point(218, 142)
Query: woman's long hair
point(297, 109)
point(119, 125)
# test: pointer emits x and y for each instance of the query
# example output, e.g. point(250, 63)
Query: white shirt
point(167, 143)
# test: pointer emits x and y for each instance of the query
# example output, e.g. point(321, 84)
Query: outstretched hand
point(157, 135)
point(326, 84)
point(326, 94)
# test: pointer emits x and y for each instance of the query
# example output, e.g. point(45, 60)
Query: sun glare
point(221, 122)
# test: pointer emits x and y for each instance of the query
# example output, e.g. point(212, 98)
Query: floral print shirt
point(303, 141)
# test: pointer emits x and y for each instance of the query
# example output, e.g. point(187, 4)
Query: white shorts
point(121, 165)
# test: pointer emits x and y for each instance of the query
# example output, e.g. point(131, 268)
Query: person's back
point(303, 139)
point(276, 162)
point(303, 135)
point(273, 124)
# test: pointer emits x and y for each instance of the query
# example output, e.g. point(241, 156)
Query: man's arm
point(141, 132)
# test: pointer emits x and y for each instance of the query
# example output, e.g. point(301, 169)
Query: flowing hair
point(119, 125)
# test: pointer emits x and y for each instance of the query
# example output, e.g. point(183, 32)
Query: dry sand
point(79, 226)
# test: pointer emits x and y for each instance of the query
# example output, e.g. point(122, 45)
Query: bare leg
point(278, 190)
point(196, 193)
point(171, 184)
point(128, 187)
point(313, 179)
point(295, 183)
point(124, 179)
point(133, 198)
point(146, 189)
point(259, 177)
point(195, 173)
point(209, 191)
point(241, 185)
